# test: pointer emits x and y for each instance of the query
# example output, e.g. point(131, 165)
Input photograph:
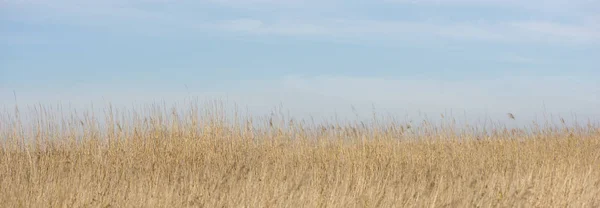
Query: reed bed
point(207, 156)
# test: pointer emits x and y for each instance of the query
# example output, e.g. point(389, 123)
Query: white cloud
point(509, 93)
point(246, 25)
point(254, 3)
point(130, 16)
point(536, 5)
point(529, 31)
point(548, 30)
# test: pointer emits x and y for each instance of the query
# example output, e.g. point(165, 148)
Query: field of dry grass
point(192, 157)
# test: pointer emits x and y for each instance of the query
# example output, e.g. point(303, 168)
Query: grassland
point(205, 157)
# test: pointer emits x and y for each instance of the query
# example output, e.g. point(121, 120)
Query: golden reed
point(192, 157)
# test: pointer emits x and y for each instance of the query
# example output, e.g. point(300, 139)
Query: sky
point(486, 58)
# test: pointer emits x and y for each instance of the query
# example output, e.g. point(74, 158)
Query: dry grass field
point(206, 157)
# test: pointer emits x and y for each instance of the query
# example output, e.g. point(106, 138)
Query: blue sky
point(486, 57)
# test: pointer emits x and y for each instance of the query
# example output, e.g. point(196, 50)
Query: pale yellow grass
point(156, 158)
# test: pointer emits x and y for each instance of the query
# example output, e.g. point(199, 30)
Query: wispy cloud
point(539, 5)
point(548, 30)
point(529, 31)
point(132, 14)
